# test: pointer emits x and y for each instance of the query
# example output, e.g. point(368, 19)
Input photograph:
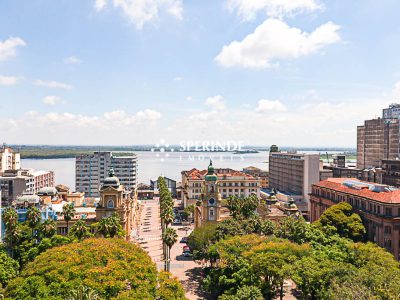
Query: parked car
point(187, 253)
point(178, 221)
point(184, 239)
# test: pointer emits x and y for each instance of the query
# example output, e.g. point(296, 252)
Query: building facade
point(379, 139)
point(378, 205)
point(231, 183)
point(257, 172)
point(115, 199)
point(294, 173)
point(14, 183)
point(92, 169)
point(9, 159)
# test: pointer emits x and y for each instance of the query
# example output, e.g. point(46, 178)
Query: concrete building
point(14, 183)
point(231, 183)
point(294, 173)
point(170, 184)
point(9, 159)
point(92, 169)
point(391, 172)
point(378, 139)
point(257, 172)
point(378, 205)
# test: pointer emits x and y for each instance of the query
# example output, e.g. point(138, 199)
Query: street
point(149, 238)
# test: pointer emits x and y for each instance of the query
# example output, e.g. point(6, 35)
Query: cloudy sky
point(123, 72)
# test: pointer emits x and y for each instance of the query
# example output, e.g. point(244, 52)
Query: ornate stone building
point(114, 198)
point(208, 208)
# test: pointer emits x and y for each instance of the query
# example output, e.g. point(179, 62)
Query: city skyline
point(304, 73)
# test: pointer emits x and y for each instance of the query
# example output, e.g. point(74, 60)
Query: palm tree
point(169, 237)
point(48, 228)
point(168, 216)
point(68, 211)
point(80, 230)
point(12, 234)
point(110, 226)
point(10, 217)
point(33, 218)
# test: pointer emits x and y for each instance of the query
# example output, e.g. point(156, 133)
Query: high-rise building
point(9, 159)
point(379, 139)
point(92, 169)
point(293, 174)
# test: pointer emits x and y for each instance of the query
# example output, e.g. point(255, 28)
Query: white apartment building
point(230, 182)
point(9, 159)
point(92, 169)
point(293, 174)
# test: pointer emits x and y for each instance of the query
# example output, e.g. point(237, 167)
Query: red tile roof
point(221, 173)
point(336, 184)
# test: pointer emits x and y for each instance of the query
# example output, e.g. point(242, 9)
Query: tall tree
point(68, 211)
point(169, 237)
point(48, 228)
point(13, 232)
point(80, 230)
point(33, 218)
point(340, 218)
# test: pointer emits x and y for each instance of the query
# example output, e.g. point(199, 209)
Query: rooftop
point(222, 173)
point(353, 186)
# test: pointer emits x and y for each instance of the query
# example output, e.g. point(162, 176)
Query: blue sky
point(290, 72)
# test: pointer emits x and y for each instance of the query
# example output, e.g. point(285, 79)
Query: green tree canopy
point(347, 223)
point(113, 268)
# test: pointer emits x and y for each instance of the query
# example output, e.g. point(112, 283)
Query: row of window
point(360, 203)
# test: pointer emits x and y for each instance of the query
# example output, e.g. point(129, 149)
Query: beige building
point(231, 183)
point(293, 174)
point(115, 199)
point(210, 208)
point(9, 159)
point(14, 183)
point(378, 205)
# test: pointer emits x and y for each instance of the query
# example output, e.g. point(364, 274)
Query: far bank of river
point(153, 164)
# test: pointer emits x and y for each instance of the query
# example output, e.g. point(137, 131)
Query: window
point(388, 211)
point(388, 229)
point(211, 214)
point(110, 203)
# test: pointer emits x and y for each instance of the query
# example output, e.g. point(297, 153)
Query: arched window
point(211, 214)
point(110, 203)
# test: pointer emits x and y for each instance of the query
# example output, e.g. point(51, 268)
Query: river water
point(153, 164)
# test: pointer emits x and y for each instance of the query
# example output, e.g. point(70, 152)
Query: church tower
point(209, 208)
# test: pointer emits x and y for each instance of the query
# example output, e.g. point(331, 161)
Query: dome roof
point(47, 191)
point(111, 180)
point(211, 176)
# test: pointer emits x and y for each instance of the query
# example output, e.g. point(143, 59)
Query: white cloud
point(8, 80)
point(52, 100)
point(112, 128)
point(100, 4)
point(216, 102)
point(274, 41)
point(178, 78)
point(140, 12)
point(53, 84)
point(73, 60)
point(8, 48)
point(248, 9)
point(270, 105)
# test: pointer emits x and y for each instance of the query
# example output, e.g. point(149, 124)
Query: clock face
point(211, 201)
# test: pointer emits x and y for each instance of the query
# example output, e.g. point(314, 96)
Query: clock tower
point(208, 209)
